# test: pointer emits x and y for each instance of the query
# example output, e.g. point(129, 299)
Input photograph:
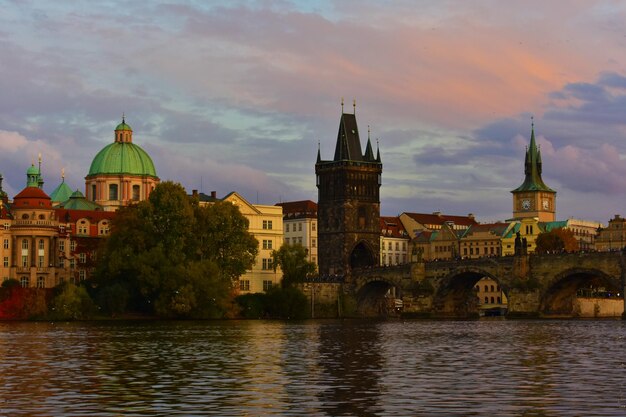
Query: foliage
point(292, 259)
point(174, 258)
point(221, 235)
point(71, 302)
point(113, 298)
point(22, 303)
point(10, 283)
point(556, 240)
point(277, 303)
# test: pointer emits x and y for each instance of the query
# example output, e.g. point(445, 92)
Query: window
point(492, 289)
point(41, 282)
point(300, 241)
point(6, 243)
point(267, 224)
point(135, 193)
point(62, 245)
point(40, 262)
point(41, 244)
point(24, 282)
point(7, 226)
point(313, 226)
point(25, 244)
point(72, 263)
point(82, 258)
point(244, 285)
point(81, 275)
point(299, 227)
point(24, 261)
point(267, 244)
point(486, 300)
point(267, 285)
point(313, 243)
point(492, 300)
point(112, 191)
point(286, 227)
point(83, 227)
point(72, 245)
point(61, 263)
point(499, 300)
point(397, 246)
point(93, 192)
point(268, 263)
point(486, 288)
point(5, 262)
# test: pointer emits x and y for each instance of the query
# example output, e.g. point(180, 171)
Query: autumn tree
point(173, 257)
point(556, 240)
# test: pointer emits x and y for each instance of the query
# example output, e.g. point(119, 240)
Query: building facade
point(612, 237)
point(348, 203)
point(394, 241)
point(300, 226)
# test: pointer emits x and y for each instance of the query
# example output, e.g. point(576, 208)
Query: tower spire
point(341, 105)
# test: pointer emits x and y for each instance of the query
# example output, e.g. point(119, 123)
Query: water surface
point(314, 368)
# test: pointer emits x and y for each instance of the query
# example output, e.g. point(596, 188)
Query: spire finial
point(353, 106)
point(532, 122)
point(123, 118)
point(63, 174)
point(39, 159)
point(342, 105)
point(368, 132)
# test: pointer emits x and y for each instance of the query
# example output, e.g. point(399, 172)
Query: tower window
point(135, 193)
point(113, 192)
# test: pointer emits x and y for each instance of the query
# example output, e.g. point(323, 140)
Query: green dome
point(123, 126)
point(61, 193)
point(33, 170)
point(122, 158)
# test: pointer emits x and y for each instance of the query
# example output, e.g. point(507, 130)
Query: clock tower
point(534, 198)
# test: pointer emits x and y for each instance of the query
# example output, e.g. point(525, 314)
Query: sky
point(238, 95)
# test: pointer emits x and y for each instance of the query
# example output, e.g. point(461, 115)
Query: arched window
point(499, 300)
point(42, 217)
point(136, 192)
point(492, 300)
point(486, 288)
point(24, 216)
point(41, 282)
point(24, 282)
point(486, 300)
point(492, 289)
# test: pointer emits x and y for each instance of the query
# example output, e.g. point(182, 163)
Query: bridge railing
point(325, 278)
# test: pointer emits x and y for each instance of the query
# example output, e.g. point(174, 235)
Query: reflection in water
point(335, 368)
point(350, 354)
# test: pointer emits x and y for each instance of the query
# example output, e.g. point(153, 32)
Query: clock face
point(526, 204)
point(546, 204)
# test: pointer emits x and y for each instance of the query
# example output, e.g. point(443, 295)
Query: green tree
point(292, 260)
point(71, 302)
point(556, 240)
point(175, 258)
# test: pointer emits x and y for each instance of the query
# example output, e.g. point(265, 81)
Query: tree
point(71, 302)
point(556, 240)
point(292, 259)
point(175, 258)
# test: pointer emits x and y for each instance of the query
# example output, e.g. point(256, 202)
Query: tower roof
point(348, 142)
point(532, 169)
point(61, 193)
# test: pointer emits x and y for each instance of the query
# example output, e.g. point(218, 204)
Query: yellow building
point(491, 298)
point(484, 240)
point(612, 237)
point(300, 226)
point(265, 223)
point(394, 242)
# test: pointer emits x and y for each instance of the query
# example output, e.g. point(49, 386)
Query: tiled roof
point(497, 229)
point(72, 216)
point(392, 227)
point(299, 209)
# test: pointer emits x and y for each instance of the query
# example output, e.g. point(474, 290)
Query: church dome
point(122, 156)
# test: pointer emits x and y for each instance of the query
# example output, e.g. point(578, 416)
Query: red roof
point(440, 219)
point(32, 197)
point(392, 227)
point(72, 216)
point(299, 209)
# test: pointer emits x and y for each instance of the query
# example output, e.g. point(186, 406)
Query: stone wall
point(324, 298)
point(598, 307)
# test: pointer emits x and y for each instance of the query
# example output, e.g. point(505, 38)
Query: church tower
point(348, 203)
point(534, 198)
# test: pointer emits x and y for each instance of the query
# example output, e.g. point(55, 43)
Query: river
point(314, 368)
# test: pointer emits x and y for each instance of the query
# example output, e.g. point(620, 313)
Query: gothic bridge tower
point(348, 203)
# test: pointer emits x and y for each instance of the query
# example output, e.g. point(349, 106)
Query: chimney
point(437, 213)
point(471, 216)
point(213, 194)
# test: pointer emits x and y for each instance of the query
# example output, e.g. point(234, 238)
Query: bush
point(71, 303)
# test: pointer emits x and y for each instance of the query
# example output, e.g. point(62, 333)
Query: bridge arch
point(562, 295)
point(376, 297)
point(456, 297)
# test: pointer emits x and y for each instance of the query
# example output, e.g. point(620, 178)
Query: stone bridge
point(535, 285)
